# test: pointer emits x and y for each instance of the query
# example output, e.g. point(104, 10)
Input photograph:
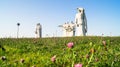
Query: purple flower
point(78, 65)
point(70, 45)
point(53, 58)
point(104, 43)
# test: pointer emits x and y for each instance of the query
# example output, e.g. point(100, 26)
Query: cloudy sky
point(103, 16)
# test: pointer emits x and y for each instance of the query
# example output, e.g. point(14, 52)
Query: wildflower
point(53, 58)
point(22, 60)
point(104, 43)
point(87, 56)
point(78, 65)
point(92, 50)
point(3, 58)
point(96, 59)
point(70, 45)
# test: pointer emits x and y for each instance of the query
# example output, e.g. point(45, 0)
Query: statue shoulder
point(78, 14)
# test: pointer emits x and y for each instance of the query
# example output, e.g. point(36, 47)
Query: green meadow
point(90, 51)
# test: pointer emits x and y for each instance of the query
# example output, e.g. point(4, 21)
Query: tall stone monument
point(79, 27)
point(38, 31)
point(81, 22)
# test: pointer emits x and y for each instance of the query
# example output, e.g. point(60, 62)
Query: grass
point(88, 51)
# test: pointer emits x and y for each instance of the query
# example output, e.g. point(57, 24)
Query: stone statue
point(68, 29)
point(38, 31)
point(81, 22)
point(78, 28)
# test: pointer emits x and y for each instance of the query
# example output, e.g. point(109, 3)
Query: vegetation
point(56, 52)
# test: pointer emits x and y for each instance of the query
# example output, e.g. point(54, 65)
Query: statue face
point(80, 10)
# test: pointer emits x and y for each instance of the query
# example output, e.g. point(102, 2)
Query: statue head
point(80, 10)
point(39, 25)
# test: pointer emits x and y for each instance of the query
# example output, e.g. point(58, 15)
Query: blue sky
point(102, 16)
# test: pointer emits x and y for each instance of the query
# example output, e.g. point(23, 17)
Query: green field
point(88, 51)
